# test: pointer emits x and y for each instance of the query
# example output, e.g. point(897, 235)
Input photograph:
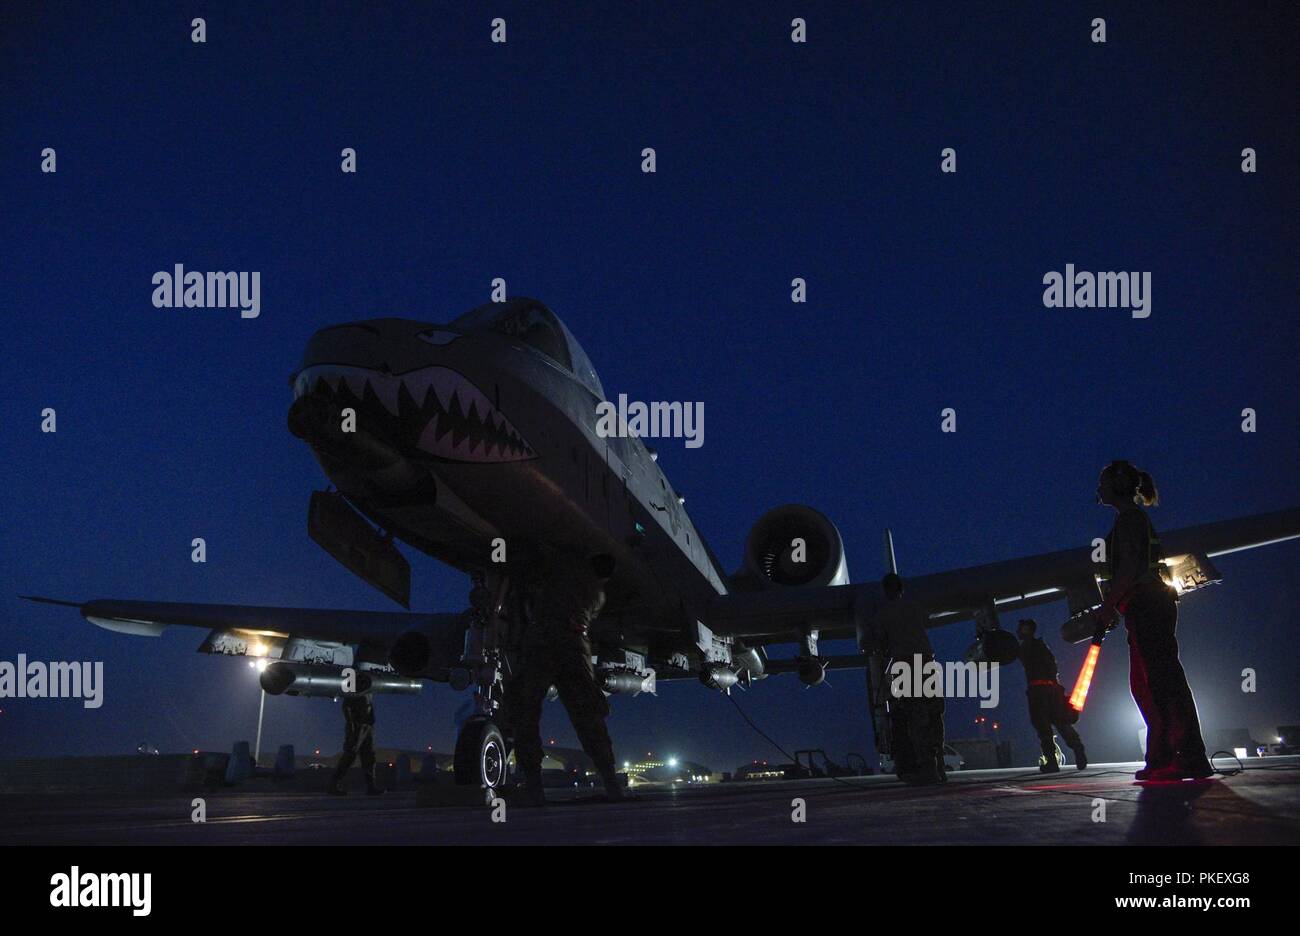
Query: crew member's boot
point(922, 777)
point(371, 788)
point(613, 784)
point(1197, 768)
point(1050, 763)
point(1080, 758)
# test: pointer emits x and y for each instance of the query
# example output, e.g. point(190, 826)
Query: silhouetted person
point(917, 723)
point(568, 595)
point(1175, 749)
point(1047, 705)
point(358, 738)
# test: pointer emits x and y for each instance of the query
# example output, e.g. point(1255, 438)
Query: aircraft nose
point(412, 383)
point(385, 345)
point(358, 344)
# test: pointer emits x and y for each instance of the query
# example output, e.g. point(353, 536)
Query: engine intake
point(795, 546)
point(411, 653)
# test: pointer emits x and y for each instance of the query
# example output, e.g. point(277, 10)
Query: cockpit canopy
point(530, 322)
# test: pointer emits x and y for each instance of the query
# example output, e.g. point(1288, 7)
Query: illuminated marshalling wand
point(1080, 693)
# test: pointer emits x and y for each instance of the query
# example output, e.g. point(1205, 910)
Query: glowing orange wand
point(1080, 693)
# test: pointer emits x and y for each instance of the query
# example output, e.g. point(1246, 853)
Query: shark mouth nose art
point(434, 409)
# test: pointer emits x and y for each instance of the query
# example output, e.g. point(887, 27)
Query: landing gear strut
point(481, 754)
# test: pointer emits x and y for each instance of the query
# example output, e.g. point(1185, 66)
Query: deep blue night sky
point(775, 160)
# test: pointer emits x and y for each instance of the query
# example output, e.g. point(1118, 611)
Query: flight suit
point(917, 723)
point(556, 651)
point(1156, 676)
point(358, 738)
point(1047, 705)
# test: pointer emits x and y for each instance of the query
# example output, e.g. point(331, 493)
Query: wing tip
point(54, 601)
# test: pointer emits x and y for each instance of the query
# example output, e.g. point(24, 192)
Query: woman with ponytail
point(1175, 750)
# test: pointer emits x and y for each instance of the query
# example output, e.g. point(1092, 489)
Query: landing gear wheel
point(480, 758)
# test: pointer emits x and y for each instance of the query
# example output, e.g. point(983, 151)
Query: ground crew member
point(358, 738)
point(900, 629)
point(1047, 705)
point(1175, 749)
point(568, 595)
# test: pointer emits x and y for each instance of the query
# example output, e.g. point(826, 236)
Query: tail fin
point(891, 563)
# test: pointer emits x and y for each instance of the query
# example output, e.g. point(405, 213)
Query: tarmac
point(1099, 806)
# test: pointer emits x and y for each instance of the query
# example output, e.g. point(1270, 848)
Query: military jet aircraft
point(477, 443)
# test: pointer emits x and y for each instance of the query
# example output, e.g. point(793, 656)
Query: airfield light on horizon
point(1080, 693)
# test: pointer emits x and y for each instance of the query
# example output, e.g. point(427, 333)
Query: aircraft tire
point(480, 758)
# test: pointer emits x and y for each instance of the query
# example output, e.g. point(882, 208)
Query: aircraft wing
point(151, 618)
point(775, 614)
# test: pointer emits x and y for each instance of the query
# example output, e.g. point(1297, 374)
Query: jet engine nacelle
point(430, 651)
point(795, 545)
point(306, 679)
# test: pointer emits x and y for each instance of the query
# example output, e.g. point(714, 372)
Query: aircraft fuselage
point(462, 437)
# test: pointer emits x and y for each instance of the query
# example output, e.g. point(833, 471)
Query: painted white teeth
point(471, 407)
point(356, 383)
point(417, 385)
point(429, 437)
point(443, 382)
point(386, 389)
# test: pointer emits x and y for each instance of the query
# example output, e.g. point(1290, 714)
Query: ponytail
point(1128, 481)
point(1146, 493)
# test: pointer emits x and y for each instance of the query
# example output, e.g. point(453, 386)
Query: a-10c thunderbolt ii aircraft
point(478, 441)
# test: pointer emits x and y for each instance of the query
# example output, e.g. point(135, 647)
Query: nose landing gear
point(481, 756)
